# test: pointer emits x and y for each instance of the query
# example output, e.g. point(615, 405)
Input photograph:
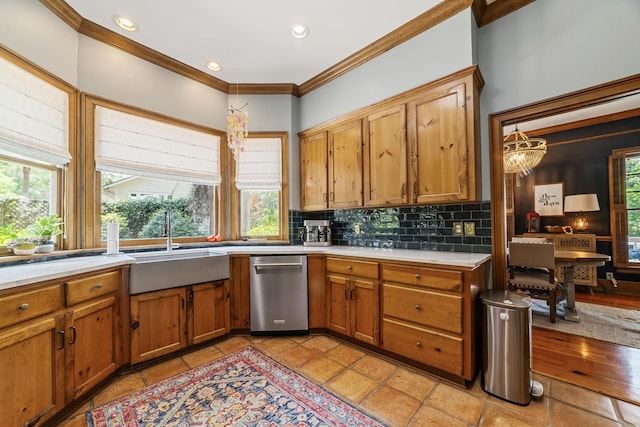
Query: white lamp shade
point(581, 203)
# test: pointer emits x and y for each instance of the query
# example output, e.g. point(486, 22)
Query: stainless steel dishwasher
point(278, 295)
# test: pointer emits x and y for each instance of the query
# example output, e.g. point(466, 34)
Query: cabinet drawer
point(445, 280)
point(431, 348)
point(433, 309)
point(353, 268)
point(90, 287)
point(27, 305)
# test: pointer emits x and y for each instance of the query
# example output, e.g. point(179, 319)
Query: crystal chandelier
point(521, 154)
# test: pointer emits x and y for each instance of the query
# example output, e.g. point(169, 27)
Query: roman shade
point(34, 117)
point(259, 165)
point(135, 145)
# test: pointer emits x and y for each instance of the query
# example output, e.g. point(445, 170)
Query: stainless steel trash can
point(506, 346)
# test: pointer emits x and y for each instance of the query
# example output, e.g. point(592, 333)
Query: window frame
point(283, 196)
point(67, 186)
point(91, 222)
point(618, 208)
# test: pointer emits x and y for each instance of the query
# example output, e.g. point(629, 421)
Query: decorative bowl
point(24, 250)
point(558, 229)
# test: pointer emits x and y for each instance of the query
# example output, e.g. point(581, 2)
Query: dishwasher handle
point(278, 265)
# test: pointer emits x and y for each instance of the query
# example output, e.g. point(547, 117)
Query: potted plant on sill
point(44, 230)
point(8, 236)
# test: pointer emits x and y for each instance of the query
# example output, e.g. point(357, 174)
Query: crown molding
point(483, 13)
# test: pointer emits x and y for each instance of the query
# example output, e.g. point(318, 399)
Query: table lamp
point(581, 203)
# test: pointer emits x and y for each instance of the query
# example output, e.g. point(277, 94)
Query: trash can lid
point(504, 298)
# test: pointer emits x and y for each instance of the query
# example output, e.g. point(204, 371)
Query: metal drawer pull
point(418, 307)
point(23, 306)
point(417, 276)
point(99, 285)
point(418, 344)
point(73, 335)
point(349, 267)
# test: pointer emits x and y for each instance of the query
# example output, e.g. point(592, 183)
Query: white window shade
point(34, 117)
point(259, 165)
point(130, 144)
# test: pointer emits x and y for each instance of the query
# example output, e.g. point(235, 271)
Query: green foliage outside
point(633, 196)
point(181, 225)
point(261, 215)
point(135, 214)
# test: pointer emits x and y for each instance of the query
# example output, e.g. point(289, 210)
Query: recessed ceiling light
point(299, 31)
point(124, 23)
point(214, 66)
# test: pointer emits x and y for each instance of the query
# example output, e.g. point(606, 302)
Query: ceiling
point(252, 38)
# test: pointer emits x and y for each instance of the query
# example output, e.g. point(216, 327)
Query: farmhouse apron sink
point(153, 271)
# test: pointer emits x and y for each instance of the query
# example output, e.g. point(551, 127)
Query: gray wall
point(549, 48)
point(435, 53)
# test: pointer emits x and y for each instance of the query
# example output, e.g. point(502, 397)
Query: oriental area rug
point(616, 325)
point(245, 388)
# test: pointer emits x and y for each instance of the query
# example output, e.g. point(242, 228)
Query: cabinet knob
point(98, 285)
point(418, 344)
point(417, 276)
point(418, 307)
point(23, 306)
point(349, 267)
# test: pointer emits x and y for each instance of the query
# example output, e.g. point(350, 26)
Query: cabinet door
point(32, 384)
point(338, 314)
point(364, 310)
point(240, 292)
point(208, 312)
point(316, 274)
point(93, 341)
point(313, 172)
point(437, 125)
point(385, 157)
point(158, 324)
point(345, 165)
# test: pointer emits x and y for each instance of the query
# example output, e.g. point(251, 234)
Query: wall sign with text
point(548, 199)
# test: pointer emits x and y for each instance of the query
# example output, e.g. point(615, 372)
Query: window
point(625, 207)
point(147, 164)
point(36, 135)
point(260, 196)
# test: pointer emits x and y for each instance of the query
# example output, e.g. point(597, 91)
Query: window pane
point(27, 192)
point(633, 182)
point(138, 204)
point(260, 213)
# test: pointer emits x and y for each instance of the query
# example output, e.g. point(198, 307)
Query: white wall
point(549, 48)
point(437, 52)
point(29, 28)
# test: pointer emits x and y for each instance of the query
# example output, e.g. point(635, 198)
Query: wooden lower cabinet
point(158, 324)
point(59, 340)
point(429, 315)
point(166, 321)
point(92, 344)
point(32, 383)
point(208, 311)
point(240, 303)
point(352, 308)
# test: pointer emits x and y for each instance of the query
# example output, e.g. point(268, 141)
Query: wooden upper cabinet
point(345, 165)
point(385, 157)
point(418, 147)
point(442, 126)
point(313, 172)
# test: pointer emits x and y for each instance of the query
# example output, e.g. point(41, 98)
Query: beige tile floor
point(396, 394)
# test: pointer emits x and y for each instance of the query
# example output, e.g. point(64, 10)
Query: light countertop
point(18, 275)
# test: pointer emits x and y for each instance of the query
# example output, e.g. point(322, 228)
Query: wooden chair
point(531, 269)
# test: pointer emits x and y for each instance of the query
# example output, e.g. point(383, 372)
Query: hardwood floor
point(600, 366)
